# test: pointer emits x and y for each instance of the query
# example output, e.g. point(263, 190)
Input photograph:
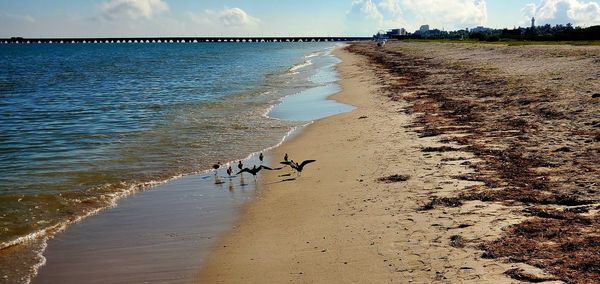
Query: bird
point(261, 157)
point(254, 171)
point(229, 171)
point(240, 166)
point(296, 166)
point(286, 160)
point(216, 167)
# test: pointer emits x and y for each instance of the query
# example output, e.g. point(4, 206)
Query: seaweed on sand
point(394, 178)
point(441, 201)
point(518, 136)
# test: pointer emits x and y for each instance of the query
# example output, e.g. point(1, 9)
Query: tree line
point(539, 33)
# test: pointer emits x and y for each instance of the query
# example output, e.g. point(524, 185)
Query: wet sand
point(157, 236)
point(359, 214)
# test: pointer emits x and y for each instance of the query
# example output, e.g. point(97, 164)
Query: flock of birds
point(298, 167)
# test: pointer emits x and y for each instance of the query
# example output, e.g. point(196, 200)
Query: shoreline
point(76, 230)
point(337, 221)
point(395, 195)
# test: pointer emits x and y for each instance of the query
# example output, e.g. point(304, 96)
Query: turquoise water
point(83, 125)
point(312, 103)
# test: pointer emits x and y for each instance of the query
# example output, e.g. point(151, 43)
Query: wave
point(314, 54)
point(306, 62)
point(45, 234)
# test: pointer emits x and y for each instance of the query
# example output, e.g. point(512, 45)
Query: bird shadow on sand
point(283, 180)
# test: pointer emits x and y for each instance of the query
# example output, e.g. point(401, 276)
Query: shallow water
point(313, 103)
point(158, 236)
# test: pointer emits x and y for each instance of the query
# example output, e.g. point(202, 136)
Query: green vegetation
point(539, 35)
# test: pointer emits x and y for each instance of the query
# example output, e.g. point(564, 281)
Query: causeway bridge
point(21, 40)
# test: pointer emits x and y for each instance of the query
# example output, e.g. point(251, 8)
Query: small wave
point(293, 130)
point(307, 62)
point(44, 235)
point(265, 114)
point(329, 50)
point(41, 262)
point(314, 54)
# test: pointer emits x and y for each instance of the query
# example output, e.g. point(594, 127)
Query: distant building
point(393, 32)
point(435, 33)
point(532, 22)
point(425, 32)
point(480, 29)
point(396, 32)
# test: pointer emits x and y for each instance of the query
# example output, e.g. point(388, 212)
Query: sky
point(129, 18)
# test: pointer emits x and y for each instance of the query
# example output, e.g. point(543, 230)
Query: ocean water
point(83, 125)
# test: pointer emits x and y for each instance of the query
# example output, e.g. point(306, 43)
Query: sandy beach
point(379, 205)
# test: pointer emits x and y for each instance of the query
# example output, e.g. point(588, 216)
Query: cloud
point(579, 13)
point(448, 14)
point(390, 7)
point(228, 21)
point(228, 17)
point(384, 14)
point(132, 9)
point(370, 10)
point(236, 17)
point(364, 17)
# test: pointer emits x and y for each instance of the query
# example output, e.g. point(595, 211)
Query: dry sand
point(337, 223)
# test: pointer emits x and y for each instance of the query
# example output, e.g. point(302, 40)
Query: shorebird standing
point(229, 171)
point(240, 165)
point(286, 161)
point(261, 157)
point(298, 167)
point(216, 167)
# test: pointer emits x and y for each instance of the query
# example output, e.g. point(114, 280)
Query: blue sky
point(64, 18)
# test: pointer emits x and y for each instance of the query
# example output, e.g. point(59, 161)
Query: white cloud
point(368, 8)
point(448, 14)
point(577, 12)
point(228, 21)
point(133, 9)
point(236, 17)
point(391, 7)
point(228, 17)
point(364, 18)
point(529, 10)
